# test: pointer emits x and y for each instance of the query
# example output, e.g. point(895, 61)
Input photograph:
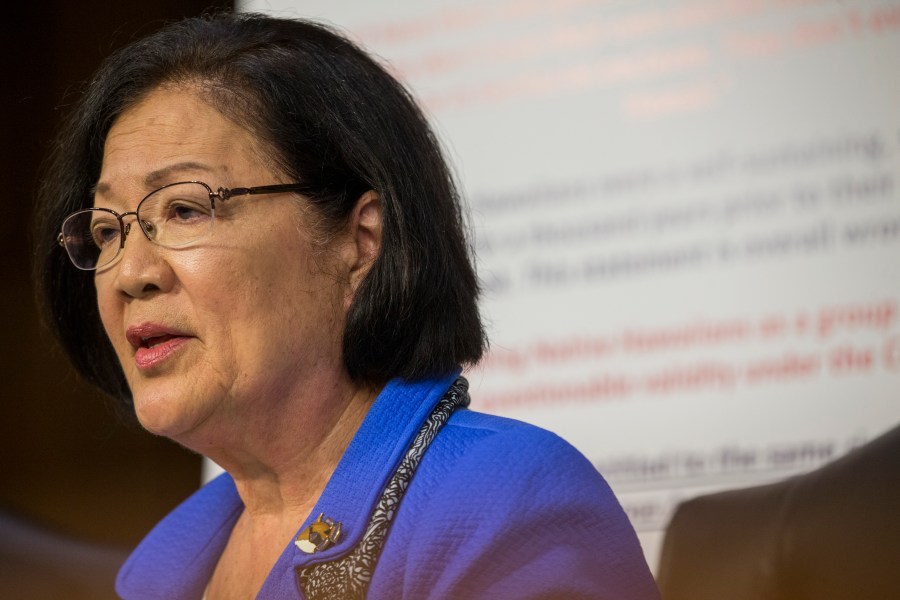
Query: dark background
point(67, 461)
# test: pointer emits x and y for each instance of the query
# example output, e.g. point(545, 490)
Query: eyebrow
point(159, 177)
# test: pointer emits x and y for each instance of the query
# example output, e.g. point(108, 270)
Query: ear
point(363, 240)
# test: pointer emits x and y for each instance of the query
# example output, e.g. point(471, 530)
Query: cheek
point(110, 313)
point(289, 301)
point(230, 307)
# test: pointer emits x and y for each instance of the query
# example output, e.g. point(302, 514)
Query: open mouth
point(150, 342)
point(150, 335)
point(154, 344)
point(152, 352)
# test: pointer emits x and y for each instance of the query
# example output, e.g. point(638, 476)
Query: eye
point(186, 212)
point(180, 209)
point(105, 233)
point(176, 214)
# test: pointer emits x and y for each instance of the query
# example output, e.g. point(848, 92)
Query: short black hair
point(332, 118)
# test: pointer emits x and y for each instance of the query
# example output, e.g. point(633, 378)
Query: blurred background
point(687, 219)
point(70, 465)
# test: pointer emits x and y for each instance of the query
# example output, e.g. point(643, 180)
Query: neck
point(283, 453)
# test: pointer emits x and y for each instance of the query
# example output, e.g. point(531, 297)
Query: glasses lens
point(177, 214)
point(91, 237)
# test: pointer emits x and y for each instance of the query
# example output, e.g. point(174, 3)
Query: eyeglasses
point(173, 216)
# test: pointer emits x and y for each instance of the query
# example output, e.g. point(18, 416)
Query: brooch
point(322, 534)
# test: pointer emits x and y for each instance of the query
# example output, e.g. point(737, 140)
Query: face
point(240, 320)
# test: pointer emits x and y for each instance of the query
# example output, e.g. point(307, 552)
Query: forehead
point(172, 134)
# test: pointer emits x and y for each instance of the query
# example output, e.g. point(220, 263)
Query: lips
point(154, 343)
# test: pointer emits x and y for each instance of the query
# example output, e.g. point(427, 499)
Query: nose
point(142, 268)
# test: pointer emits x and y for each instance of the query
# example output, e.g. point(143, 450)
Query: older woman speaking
point(248, 234)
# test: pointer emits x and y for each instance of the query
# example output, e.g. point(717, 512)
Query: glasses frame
point(221, 194)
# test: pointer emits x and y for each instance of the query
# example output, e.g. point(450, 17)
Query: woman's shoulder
point(511, 510)
point(194, 533)
point(511, 459)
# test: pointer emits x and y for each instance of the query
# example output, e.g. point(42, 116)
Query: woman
point(249, 235)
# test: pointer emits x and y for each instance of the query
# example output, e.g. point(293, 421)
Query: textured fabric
point(349, 576)
point(497, 509)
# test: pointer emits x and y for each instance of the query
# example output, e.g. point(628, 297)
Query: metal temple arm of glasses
point(225, 193)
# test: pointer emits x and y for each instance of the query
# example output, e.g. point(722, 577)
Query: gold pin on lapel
point(321, 535)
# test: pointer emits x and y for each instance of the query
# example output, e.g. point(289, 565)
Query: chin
point(164, 414)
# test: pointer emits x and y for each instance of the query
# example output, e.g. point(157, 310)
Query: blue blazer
point(497, 509)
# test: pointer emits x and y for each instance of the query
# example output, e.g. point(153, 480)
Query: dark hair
point(331, 118)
